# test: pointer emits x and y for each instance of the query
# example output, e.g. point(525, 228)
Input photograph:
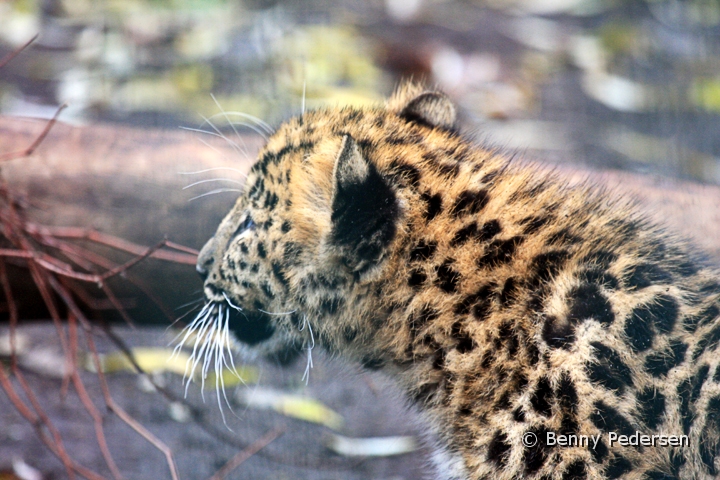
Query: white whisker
point(221, 364)
point(190, 310)
point(194, 360)
point(277, 313)
point(309, 365)
point(198, 300)
point(251, 127)
point(235, 146)
point(210, 341)
point(189, 329)
point(183, 316)
point(210, 349)
point(200, 130)
point(213, 192)
point(205, 170)
point(210, 346)
point(207, 180)
point(264, 125)
point(202, 355)
point(226, 340)
point(230, 303)
point(302, 110)
point(227, 119)
point(216, 150)
point(199, 322)
point(220, 381)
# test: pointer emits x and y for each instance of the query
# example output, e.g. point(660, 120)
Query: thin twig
point(125, 417)
point(61, 268)
point(29, 150)
point(11, 252)
point(12, 310)
point(93, 302)
point(40, 282)
point(45, 420)
point(188, 258)
point(35, 421)
point(117, 305)
point(127, 265)
point(243, 455)
point(53, 272)
point(109, 401)
point(88, 403)
point(99, 260)
point(82, 257)
point(7, 58)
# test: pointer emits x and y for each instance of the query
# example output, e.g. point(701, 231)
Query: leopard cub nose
point(205, 259)
point(202, 271)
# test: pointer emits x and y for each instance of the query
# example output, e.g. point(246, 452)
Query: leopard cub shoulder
point(512, 309)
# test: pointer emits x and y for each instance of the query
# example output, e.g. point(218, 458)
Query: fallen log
point(129, 183)
point(126, 183)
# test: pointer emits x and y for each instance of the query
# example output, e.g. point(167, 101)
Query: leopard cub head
point(302, 252)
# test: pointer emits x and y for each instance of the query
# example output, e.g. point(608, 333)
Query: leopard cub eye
point(246, 224)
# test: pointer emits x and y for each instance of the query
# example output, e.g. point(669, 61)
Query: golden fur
point(503, 302)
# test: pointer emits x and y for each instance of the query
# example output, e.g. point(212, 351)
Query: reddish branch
point(76, 313)
point(52, 234)
point(32, 245)
point(243, 455)
point(87, 401)
point(55, 264)
point(29, 150)
point(7, 58)
point(60, 269)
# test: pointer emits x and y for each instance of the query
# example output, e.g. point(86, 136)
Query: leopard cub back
point(532, 323)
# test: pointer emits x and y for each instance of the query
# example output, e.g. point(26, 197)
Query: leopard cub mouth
point(250, 327)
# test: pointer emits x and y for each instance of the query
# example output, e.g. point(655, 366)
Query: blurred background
point(627, 84)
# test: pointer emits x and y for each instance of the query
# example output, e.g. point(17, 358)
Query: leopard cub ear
point(364, 209)
point(431, 108)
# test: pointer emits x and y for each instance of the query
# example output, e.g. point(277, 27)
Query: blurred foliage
point(706, 93)
point(556, 76)
point(333, 62)
point(117, 59)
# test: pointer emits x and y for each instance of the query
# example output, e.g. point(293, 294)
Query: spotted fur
point(501, 300)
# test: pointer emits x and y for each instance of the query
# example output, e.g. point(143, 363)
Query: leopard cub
point(533, 324)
